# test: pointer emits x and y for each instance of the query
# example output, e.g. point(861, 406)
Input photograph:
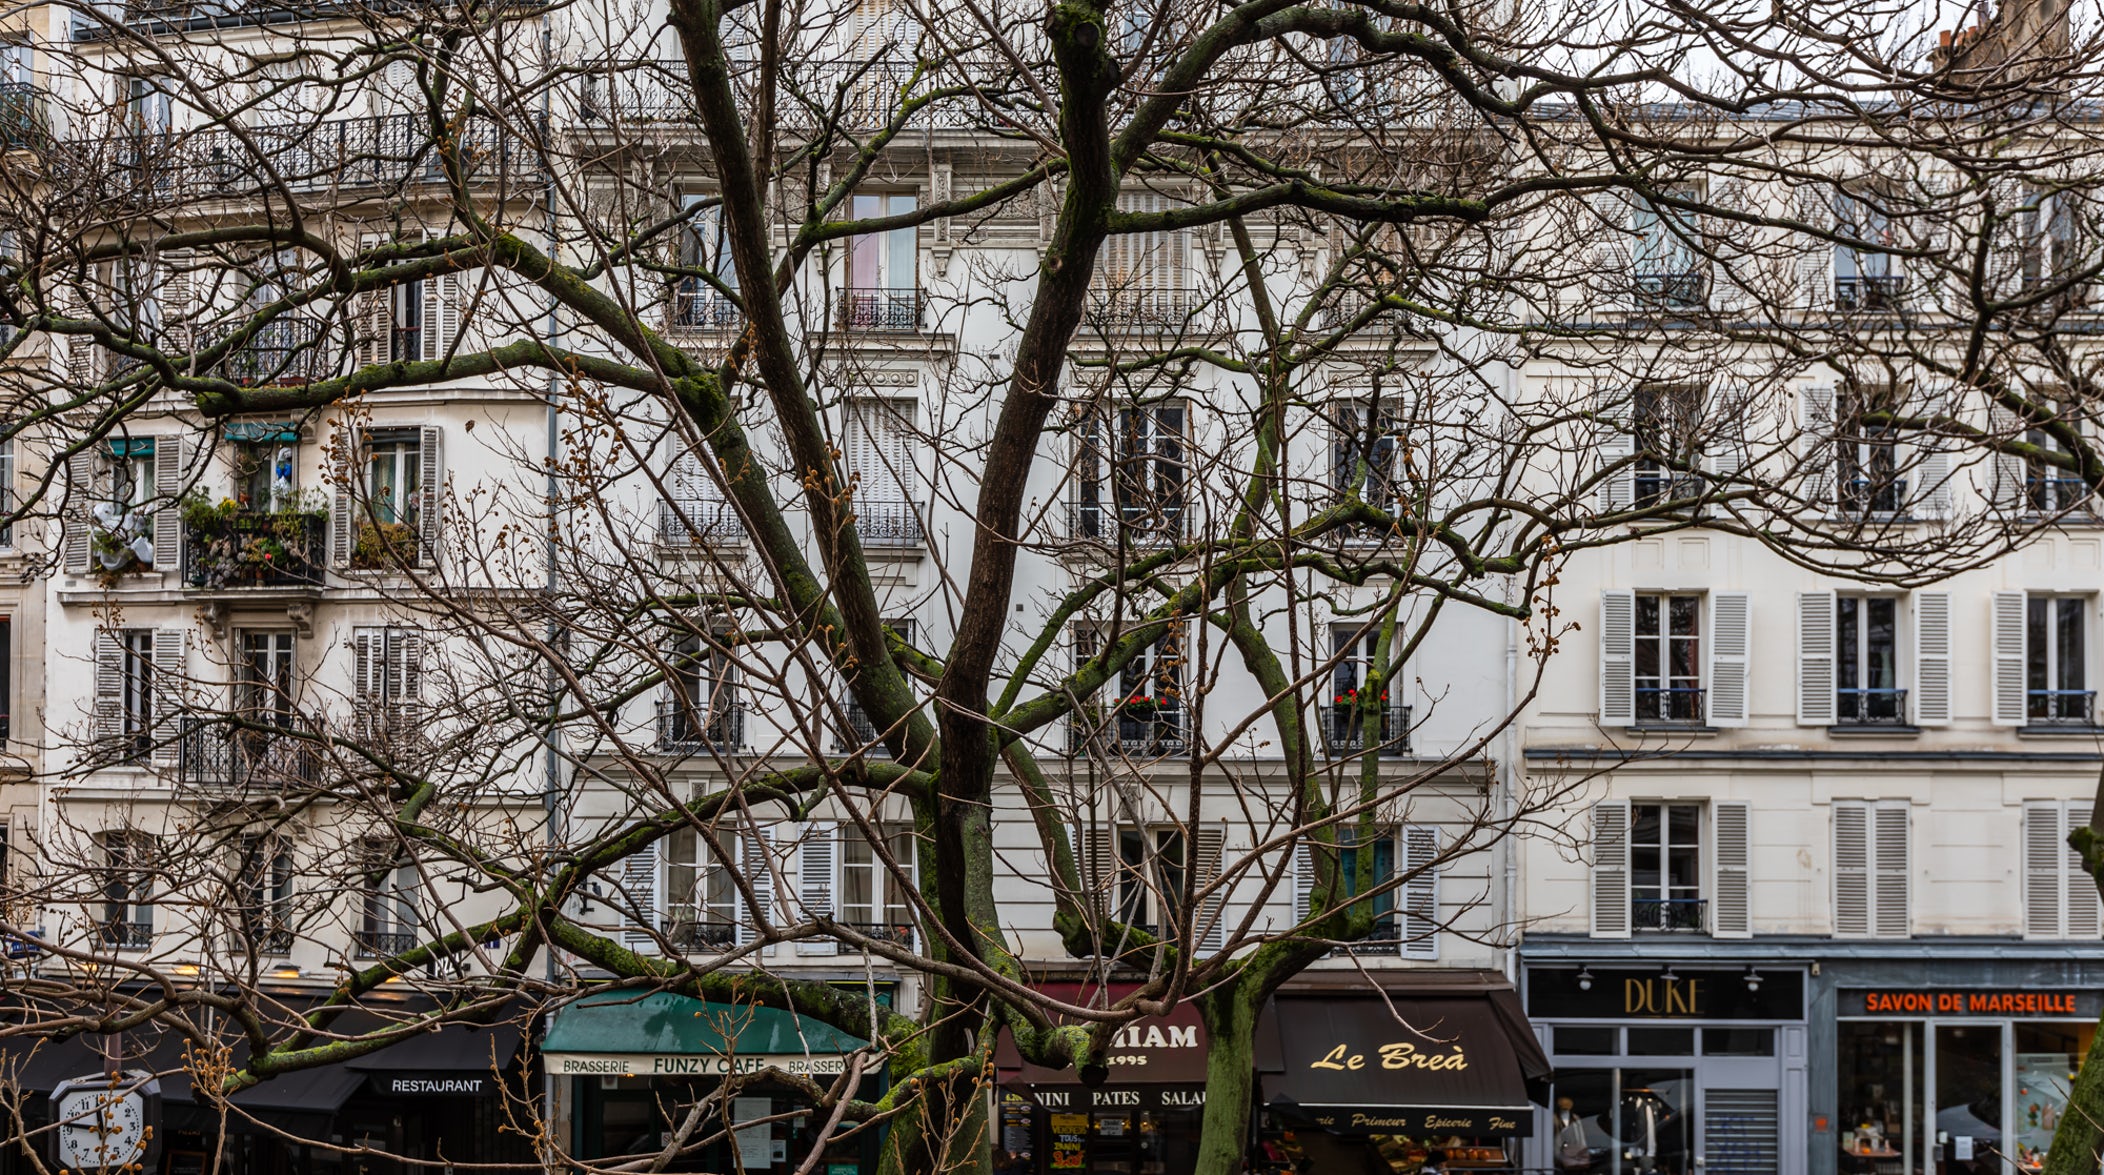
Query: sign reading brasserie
point(1968, 1002)
point(688, 1064)
point(1613, 993)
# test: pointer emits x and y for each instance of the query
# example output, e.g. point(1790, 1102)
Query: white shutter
point(2008, 654)
point(1725, 419)
point(756, 861)
point(1815, 658)
point(445, 298)
point(1930, 495)
point(1851, 869)
point(2085, 918)
point(1098, 881)
point(372, 315)
point(108, 721)
point(1617, 487)
point(1303, 882)
point(1731, 622)
point(1617, 658)
point(1889, 888)
point(2008, 491)
point(817, 864)
point(1731, 913)
point(2045, 851)
point(169, 671)
point(432, 475)
point(1932, 659)
point(81, 489)
point(1211, 926)
point(168, 467)
point(641, 900)
point(1611, 869)
point(1818, 440)
point(1419, 900)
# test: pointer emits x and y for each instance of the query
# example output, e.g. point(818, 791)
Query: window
point(1668, 658)
point(1153, 878)
point(1871, 852)
point(1666, 427)
point(149, 104)
point(128, 860)
point(874, 899)
point(2049, 488)
point(699, 302)
point(883, 272)
point(1364, 453)
point(862, 734)
point(1864, 270)
point(1149, 706)
point(1132, 480)
point(1866, 661)
point(1665, 867)
point(264, 687)
point(393, 516)
point(2056, 661)
point(137, 695)
point(264, 895)
point(2046, 225)
point(7, 681)
point(387, 919)
point(131, 465)
point(394, 478)
point(1667, 271)
point(703, 906)
point(2060, 897)
point(1866, 452)
point(15, 53)
point(703, 711)
point(1141, 281)
point(264, 474)
point(1346, 724)
point(882, 447)
point(387, 675)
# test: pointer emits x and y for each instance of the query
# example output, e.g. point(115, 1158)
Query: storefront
point(1142, 1120)
point(1669, 1067)
point(1359, 1080)
point(640, 1067)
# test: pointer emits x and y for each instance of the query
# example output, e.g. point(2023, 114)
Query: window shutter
point(1731, 621)
point(757, 864)
point(169, 671)
point(2045, 852)
point(1097, 880)
point(445, 298)
point(2085, 919)
point(108, 722)
point(641, 901)
point(177, 301)
point(1726, 410)
point(1419, 900)
point(1731, 913)
point(1932, 658)
point(81, 489)
point(1891, 883)
point(168, 470)
point(1930, 496)
point(817, 860)
point(433, 494)
point(7, 490)
point(1618, 487)
point(406, 672)
point(1818, 433)
point(1851, 870)
point(1303, 883)
point(1617, 658)
point(1815, 658)
point(1210, 921)
point(372, 314)
point(2008, 651)
point(2008, 491)
point(1611, 869)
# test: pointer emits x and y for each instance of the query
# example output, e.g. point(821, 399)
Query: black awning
point(459, 1060)
point(40, 1067)
point(1428, 1066)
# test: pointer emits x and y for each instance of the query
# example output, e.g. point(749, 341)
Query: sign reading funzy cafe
point(688, 1064)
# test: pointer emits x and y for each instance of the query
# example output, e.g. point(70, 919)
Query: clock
point(106, 1124)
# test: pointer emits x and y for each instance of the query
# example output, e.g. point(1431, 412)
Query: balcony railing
point(380, 151)
point(23, 121)
point(1866, 496)
point(1139, 311)
point(861, 734)
point(687, 934)
point(1669, 706)
point(695, 726)
point(1653, 485)
point(1674, 291)
point(697, 305)
point(871, 309)
point(1140, 729)
point(264, 936)
point(380, 944)
point(1670, 915)
point(864, 92)
point(899, 933)
point(1140, 525)
point(1870, 707)
point(1344, 729)
point(214, 755)
point(1384, 939)
point(256, 548)
point(127, 936)
point(2061, 707)
point(882, 523)
point(699, 522)
point(2052, 495)
point(285, 351)
point(1869, 293)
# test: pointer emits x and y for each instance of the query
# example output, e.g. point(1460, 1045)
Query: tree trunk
point(1230, 1072)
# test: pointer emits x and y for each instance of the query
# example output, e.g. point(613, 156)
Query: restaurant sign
point(1934, 1001)
point(433, 1084)
point(1659, 993)
point(688, 1064)
point(1066, 1098)
point(1415, 1121)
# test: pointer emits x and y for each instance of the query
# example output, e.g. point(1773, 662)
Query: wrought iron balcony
point(1670, 706)
point(375, 943)
point(1137, 525)
point(126, 935)
point(1869, 293)
point(699, 522)
point(1384, 939)
point(882, 523)
point(1870, 707)
point(2053, 495)
point(1675, 291)
point(860, 92)
point(689, 726)
point(2061, 707)
point(263, 935)
point(882, 309)
point(23, 120)
point(697, 305)
point(293, 350)
point(898, 933)
point(1139, 729)
point(688, 934)
point(379, 151)
point(1654, 485)
point(1862, 496)
point(255, 548)
point(1670, 915)
point(1142, 311)
point(1345, 729)
point(215, 755)
point(861, 735)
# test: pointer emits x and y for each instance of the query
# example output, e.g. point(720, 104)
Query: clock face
point(101, 1128)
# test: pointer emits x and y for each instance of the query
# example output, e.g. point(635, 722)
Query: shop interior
point(1949, 1097)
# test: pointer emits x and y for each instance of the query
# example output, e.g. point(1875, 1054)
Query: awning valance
point(1427, 1066)
point(664, 1034)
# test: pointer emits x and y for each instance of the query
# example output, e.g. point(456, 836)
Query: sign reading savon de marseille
point(687, 1064)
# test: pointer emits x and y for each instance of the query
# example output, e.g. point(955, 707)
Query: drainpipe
point(551, 793)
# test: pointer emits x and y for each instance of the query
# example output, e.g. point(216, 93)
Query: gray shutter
point(817, 864)
point(1092, 858)
point(1815, 658)
point(2007, 643)
point(641, 900)
point(2085, 913)
point(1932, 659)
point(80, 495)
point(432, 475)
point(1892, 842)
point(1210, 931)
point(169, 671)
point(1611, 869)
point(2045, 850)
point(177, 300)
point(1731, 912)
point(365, 658)
point(1303, 882)
point(168, 472)
point(1818, 441)
point(1731, 622)
point(1617, 658)
point(1851, 869)
point(1419, 900)
point(108, 721)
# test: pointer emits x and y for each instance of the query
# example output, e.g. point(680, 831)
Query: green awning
point(253, 432)
point(616, 1034)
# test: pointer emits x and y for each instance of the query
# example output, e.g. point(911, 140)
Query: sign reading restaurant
point(688, 1064)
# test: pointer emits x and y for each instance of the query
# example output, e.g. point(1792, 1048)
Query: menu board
point(755, 1143)
point(1070, 1133)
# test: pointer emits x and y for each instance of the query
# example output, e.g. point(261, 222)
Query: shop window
point(1881, 1089)
point(1626, 1121)
point(1661, 1042)
point(1871, 853)
point(1573, 1041)
point(1738, 1042)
